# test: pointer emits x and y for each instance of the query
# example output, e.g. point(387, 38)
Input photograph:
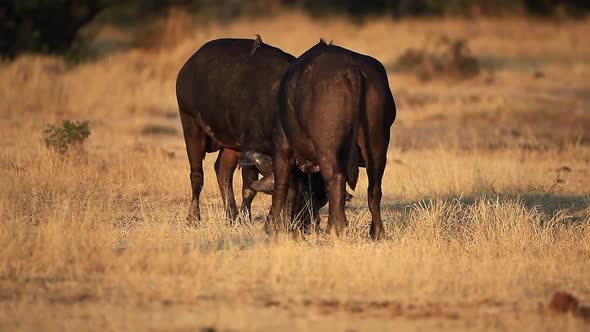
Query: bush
point(69, 135)
point(448, 58)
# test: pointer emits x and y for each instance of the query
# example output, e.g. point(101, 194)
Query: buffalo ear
point(262, 162)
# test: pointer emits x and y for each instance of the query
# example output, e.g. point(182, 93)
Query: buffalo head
point(307, 192)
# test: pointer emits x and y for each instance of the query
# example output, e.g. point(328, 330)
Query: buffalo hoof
point(232, 216)
point(192, 220)
point(336, 230)
point(246, 215)
point(376, 232)
point(194, 215)
point(271, 230)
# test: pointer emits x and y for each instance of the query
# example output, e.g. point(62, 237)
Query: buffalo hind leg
point(225, 165)
point(249, 175)
point(195, 140)
point(375, 159)
point(283, 161)
point(336, 189)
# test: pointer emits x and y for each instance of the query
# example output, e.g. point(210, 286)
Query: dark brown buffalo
point(332, 99)
point(227, 95)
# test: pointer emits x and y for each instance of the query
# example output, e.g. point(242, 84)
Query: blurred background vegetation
point(53, 26)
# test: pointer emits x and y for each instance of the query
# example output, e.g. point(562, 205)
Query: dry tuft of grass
point(483, 222)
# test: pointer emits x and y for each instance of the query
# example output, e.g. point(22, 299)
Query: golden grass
point(477, 238)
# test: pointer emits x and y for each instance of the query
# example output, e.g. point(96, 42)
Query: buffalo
point(331, 101)
point(227, 96)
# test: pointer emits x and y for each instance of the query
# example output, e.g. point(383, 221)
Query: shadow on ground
point(576, 207)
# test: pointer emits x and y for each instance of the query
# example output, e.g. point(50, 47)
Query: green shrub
point(71, 135)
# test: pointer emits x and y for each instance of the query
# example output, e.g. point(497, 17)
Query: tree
point(47, 26)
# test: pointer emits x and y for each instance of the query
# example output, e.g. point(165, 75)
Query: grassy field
point(486, 194)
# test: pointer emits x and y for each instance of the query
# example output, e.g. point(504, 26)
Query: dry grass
point(479, 231)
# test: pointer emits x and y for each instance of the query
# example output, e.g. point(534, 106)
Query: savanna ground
point(486, 198)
